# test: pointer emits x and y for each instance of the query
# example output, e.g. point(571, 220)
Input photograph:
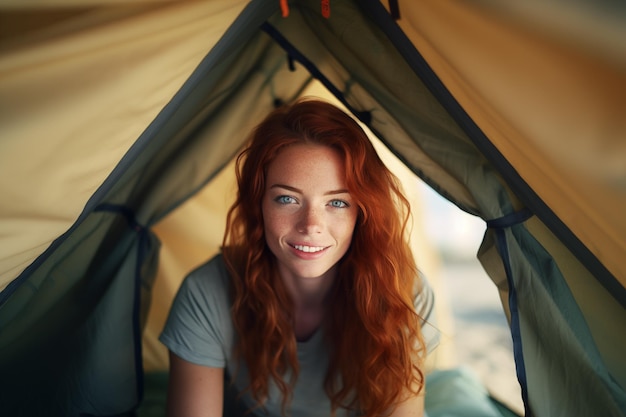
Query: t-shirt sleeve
point(199, 328)
point(424, 303)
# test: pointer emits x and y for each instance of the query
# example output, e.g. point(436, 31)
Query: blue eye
point(339, 204)
point(285, 199)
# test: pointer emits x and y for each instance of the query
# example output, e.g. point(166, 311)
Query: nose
point(311, 220)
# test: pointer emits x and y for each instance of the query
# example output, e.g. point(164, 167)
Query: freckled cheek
point(345, 228)
point(276, 224)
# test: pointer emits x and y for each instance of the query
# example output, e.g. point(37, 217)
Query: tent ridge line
point(294, 54)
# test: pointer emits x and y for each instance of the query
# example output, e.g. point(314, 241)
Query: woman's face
point(308, 213)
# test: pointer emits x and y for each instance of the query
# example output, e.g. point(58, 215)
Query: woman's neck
point(308, 293)
point(309, 296)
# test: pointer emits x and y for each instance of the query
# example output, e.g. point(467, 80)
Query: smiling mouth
point(309, 249)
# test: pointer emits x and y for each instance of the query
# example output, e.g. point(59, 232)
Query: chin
point(310, 273)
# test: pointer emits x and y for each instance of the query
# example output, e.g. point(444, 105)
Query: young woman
point(315, 306)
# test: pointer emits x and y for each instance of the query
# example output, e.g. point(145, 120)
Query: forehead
point(305, 163)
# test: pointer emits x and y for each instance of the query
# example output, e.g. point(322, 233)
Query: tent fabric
point(532, 95)
point(36, 71)
point(89, 83)
point(114, 118)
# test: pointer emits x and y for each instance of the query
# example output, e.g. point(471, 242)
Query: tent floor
point(451, 392)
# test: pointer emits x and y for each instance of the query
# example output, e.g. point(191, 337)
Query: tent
point(114, 114)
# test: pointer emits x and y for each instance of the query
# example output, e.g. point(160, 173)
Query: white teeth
point(309, 248)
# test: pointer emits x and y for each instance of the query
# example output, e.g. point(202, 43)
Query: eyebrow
point(299, 191)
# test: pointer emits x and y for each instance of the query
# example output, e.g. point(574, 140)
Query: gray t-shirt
point(199, 329)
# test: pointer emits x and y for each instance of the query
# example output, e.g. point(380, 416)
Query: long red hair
point(376, 347)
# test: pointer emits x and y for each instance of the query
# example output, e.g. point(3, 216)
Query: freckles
point(277, 221)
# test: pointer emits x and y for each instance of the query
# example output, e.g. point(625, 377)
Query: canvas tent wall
point(508, 120)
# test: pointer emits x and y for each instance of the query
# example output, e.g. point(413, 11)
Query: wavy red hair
point(376, 345)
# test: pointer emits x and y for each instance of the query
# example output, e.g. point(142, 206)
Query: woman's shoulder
point(210, 277)
point(424, 303)
point(206, 291)
point(215, 266)
point(423, 296)
point(199, 327)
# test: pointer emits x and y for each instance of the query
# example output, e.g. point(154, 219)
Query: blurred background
point(477, 333)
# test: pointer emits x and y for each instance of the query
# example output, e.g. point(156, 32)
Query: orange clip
point(284, 7)
point(326, 8)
